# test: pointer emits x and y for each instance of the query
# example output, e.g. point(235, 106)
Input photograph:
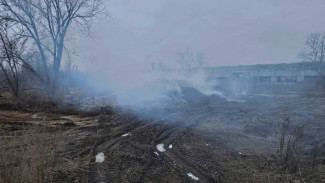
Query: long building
point(268, 73)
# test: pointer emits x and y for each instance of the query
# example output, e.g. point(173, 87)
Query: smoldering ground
point(228, 107)
point(146, 89)
point(218, 131)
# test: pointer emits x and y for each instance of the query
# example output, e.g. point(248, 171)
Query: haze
point(162, 91)
point(231, 32)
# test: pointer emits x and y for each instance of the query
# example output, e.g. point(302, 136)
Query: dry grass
point(290, 146)
point(28, 156)
point(36, 154)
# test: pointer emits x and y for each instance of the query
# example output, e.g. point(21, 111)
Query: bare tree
point(11, 45)
point(189, 60)
point(46, 23)
point(315, 52)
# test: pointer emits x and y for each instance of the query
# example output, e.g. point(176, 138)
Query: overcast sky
point(228, 32)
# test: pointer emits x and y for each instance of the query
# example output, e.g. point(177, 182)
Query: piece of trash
point(170, 146)
point(100, 157)
point(206, 144)
point(193, 176)
point(127, 134)
point(240, 153)
point(156, 153)
point(235, 100)
point(161, 148)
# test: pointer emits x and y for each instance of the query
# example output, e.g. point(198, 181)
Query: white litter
point(170, 146)
point(235, 100)
point(240, 153)
point(192, 176)
point(161, 148)
point(100, 157)
point(156, 153)
point(206, 144)
point(127, 134)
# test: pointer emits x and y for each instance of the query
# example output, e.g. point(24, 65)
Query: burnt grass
point(216, 141)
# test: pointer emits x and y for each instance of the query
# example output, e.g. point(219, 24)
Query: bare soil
point(221, 141)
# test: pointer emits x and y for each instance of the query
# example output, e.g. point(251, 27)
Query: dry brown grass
point(290, 146)
point(28, 156)
point(36, 153)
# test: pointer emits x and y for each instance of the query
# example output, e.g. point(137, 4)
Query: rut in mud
point(135, 156)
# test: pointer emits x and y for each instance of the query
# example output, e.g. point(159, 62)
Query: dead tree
point(315, 53)
point(46, 23)
point(189, 60)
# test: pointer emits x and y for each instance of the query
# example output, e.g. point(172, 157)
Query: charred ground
point(217, 140)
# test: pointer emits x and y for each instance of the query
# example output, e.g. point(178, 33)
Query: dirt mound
point(194, 96)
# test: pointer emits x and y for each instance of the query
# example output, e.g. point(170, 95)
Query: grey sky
point(229, 32)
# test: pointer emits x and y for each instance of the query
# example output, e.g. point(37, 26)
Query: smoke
point(117, 60)
point(157, 90)
point(145, 87)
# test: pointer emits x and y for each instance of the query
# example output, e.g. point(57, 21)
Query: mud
point(214, 140)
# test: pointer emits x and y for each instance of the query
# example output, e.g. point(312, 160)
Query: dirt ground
point(234, 140)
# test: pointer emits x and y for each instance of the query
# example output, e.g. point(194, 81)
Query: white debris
point(235, 100)
point(161, 148)
point(156, 153)
point(192, 176)
point(100, 157)
point(127, 134)
point(207, 145)
point(170, 146)
point(240, 153)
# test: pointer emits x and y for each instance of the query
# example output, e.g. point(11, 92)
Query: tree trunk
point(56, 68)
